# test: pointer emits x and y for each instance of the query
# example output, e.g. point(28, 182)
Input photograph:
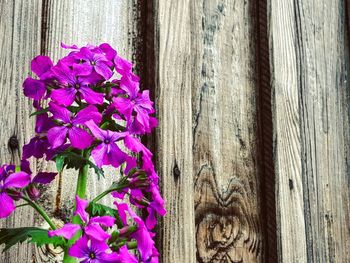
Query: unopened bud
point(33, 192)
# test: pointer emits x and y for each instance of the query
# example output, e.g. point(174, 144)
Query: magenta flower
point(125, 256)
point(78, 137)
point(145, 243)
point(33, 88)
point(39, 144)
point(91, 60)
point(107, 152)
point(92, 251)
point(41, 66)
point(10, 180)
point(91, 226)
point(136, 103)
point(73, 86)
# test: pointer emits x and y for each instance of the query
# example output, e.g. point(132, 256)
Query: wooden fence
point(253, 104)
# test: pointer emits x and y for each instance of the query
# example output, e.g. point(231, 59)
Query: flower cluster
point(89, 104)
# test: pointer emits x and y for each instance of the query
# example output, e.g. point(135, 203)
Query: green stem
point(41, 211)
point(81, 192)
point(117, 187)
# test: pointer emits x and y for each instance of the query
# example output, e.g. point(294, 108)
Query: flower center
point(93, 63)
point(77, 86)
point(107, 141)
point(92, 255)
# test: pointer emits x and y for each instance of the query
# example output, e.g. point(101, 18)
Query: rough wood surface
point(88, 22)
point(311, 105)
point(174, 136)
point(225, 162)
point(34, 27)
point(20, 27)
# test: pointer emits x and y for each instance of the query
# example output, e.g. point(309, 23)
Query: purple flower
point(125, 256)
point(136, 103)
point(78, 137)
point(92, 60)
point(74, 85)
point(39, 144)
point(156, 206)
point(92, 251)
point(10, 180)
point(91, 226)
point(107, 152)
point(145, 243)
point(41, 66)
point(34, 89)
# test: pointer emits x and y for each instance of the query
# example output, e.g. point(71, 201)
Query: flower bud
point(33, 192)
point(14, 194)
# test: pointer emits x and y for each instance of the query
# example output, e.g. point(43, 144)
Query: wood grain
point(174, 136)
point(309, 59)
point(20, 27)
point(225, 152)
point(33, 27)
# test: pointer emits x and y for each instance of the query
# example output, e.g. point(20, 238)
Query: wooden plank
point(20, 27)
point(225, 152)
point(311, 103)
point(174, 136)
point(72, 22)
point(89, 22)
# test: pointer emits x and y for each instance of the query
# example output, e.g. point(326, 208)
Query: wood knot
point(291, 185)
point(13, 143)
point(176, 171)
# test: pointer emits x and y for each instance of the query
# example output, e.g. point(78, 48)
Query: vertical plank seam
point(267, 173)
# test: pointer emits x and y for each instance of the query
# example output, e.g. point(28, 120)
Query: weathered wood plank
point(71, 22)
point(311, 104)
point(225, 152)
point(174, 136)
point(89, 22)
point(20, 27)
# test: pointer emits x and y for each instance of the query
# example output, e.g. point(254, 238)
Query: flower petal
point(115, 156)
point(36, 147)
point(95, 231)
point(67, 231)
point(122, 208)
point(130, 86)
point(57, 136)
point(59, 112)
point(33, 88)
point(7, 205)
point(122, 66)
point(81, 205)
point(44, 178)
point(104, 70)
point(103, 220)
point(80, 248)
point(125, 256)
point(91, 96)
point(17, 180)
point(89, 113)
point(124, 106)
point(64, 96)
point(96, 131)
point(79, 138)
point(99, 154)
point(41, 64)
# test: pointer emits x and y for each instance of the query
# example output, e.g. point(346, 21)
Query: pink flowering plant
point(90, 113)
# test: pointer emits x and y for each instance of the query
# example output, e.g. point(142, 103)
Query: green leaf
point(74, 160)
point(11, 236)
point(39, 112)
point(95, 209)
point(59, 159)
